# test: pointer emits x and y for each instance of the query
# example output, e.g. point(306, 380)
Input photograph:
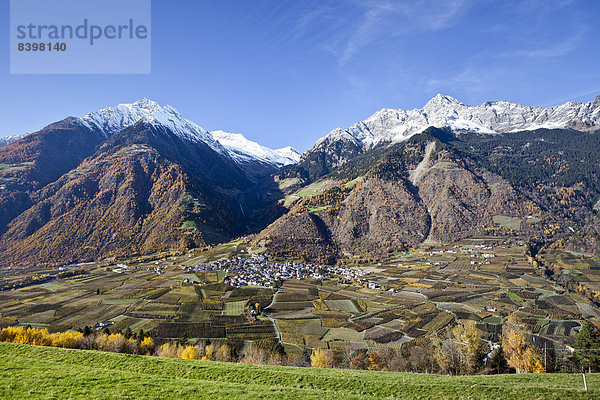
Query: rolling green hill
point(53, 373)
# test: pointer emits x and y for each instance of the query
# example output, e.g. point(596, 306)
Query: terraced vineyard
point(149, 296)
point(419, 294)
point(408, 299)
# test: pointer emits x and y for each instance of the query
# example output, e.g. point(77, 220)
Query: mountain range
point(139, 178)
point(492, 117)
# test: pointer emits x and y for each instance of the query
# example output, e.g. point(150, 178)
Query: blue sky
point(287, 72)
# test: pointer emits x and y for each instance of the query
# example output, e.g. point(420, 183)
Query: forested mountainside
point(139, 178)
point(438, 187)
point(587, 239)
point(112, 185)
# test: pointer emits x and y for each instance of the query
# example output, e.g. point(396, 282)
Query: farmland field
point(414, 296)
point(308, 191)
point(54, 373)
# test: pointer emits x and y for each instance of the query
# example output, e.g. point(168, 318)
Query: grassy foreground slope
point(45, 372)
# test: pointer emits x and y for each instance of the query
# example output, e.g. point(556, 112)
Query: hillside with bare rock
point(139, 178)
point(420, 191)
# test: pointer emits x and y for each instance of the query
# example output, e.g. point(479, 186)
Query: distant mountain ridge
point(394, 125)
point(256, 160)
point(111, 120)
point(132, 179)
point(290, 153)
point(397, 125)
point(139, 178)
point(13, 138)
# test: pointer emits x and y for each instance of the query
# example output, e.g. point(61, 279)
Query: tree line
point(461, 351)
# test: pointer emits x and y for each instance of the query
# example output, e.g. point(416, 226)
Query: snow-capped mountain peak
point(256, 160)
point(243, 150)
point(492, 117)
point(114, 119)
point(440, 99)
point(290, 153)
point(13, 138)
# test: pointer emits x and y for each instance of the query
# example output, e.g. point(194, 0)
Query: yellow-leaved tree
point(472, 348)
point(190, 353)
point(71, 340)
point(321, 358)
point(521, 355)
point(146, 345)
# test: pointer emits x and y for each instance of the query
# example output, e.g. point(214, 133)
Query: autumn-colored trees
point(21, 335)
point(116, 343)
point(169, 349)
point(41, 337)
point(190, 353)
point(462, 351)
point(147, 345)
point(264, 352)
point(522, 356)
point(471, 346)
point(322, 358)
point(70, 340)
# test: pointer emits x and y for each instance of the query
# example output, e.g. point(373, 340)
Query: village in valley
point(227, 292)
point(258, 270)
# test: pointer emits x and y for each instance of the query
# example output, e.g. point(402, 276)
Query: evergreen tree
point(587, 339)
point(183, 339)
point(128, 333)
point(498, 362)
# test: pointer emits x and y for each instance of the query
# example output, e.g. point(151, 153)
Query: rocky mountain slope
point(420, 191)
point(396, 125)
point(139, 178)
point(133, 179)
point(440, 173)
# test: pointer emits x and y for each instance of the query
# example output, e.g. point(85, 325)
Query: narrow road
point(271, 319)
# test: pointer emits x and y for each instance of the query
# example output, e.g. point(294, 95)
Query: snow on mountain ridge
point(242, 149)
point(492, 117)
point(290, 153)
point(114, 119)
point(13, 138)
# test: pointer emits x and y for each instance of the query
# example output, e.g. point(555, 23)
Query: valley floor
point(54, 373)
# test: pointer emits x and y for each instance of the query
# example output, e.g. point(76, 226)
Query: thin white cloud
point(577, 96)
point(472, 82)
point(558, 49)
point(313, 15)
point(386, 18)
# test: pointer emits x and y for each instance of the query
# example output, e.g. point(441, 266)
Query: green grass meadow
point(52, 373)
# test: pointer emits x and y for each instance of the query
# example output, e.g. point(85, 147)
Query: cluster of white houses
point(258, 270)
